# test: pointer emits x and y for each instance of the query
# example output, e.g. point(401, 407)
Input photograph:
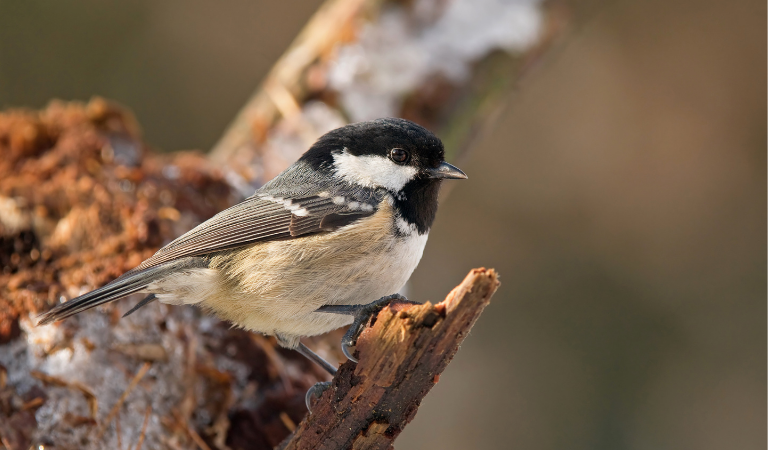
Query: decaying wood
point(401, 356)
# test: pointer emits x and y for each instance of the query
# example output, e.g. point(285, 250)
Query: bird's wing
point(268, 216)
point(290, 206)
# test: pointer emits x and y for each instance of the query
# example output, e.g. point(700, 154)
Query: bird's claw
point(362, 314)
point(315, 392)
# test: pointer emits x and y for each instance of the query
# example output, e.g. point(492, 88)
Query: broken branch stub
point(401, 357)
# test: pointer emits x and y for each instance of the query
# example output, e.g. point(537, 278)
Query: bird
point(323, 245)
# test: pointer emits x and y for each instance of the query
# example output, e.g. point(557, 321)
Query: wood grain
point(402, 355)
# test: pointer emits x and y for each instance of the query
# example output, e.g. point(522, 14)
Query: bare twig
point(194, 435)
point(144, 428)
point(275, 360)
point(286, 419)
point(134, 382)
point(93, 405)
point(34, 403)
point(401, 357)
point(118, 431)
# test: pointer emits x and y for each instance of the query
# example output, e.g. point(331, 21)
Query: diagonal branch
point(401, 357)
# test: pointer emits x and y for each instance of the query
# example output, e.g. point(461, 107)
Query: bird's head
point(384, 153)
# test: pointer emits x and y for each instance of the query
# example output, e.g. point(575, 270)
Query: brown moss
point(82, 200)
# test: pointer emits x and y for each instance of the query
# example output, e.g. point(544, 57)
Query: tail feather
point(127, 284)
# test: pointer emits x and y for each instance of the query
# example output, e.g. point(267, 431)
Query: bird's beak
point(447, 171)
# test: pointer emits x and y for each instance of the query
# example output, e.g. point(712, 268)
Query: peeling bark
point(401, 356)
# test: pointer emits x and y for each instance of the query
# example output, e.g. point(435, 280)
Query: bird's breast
point(286, 279)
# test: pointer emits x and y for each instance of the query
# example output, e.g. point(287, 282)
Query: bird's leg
point(317, 390)
point(317, 359)
point(362, 314)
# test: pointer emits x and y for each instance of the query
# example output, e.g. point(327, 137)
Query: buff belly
point(275, 287)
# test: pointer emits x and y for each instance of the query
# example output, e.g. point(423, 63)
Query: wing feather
point(262, 218)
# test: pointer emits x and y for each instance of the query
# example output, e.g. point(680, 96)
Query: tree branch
point(401, 357)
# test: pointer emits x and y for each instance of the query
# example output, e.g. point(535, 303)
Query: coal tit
point(310, 250)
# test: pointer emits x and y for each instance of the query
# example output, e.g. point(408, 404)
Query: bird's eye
point(398, 155)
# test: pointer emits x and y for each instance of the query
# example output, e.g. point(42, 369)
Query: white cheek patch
point(372, 171)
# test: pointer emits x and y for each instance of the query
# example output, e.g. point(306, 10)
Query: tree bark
point(401, 357)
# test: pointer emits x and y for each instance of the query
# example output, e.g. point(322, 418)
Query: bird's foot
point(315, 392)
point(362, 314)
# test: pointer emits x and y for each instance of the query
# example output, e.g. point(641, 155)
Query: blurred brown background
point(622, 197)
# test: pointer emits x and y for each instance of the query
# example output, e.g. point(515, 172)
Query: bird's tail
point(129, 283)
